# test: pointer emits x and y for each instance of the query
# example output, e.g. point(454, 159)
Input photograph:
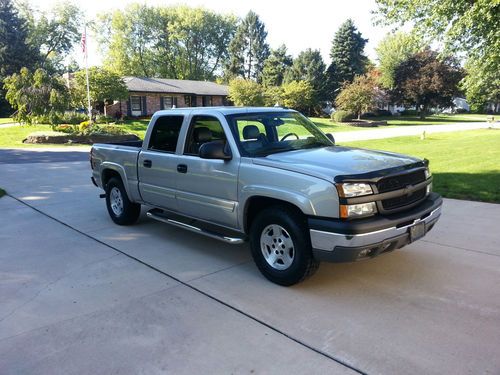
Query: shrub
point(409, 112)
point(108, 129)
point(341, 116)
point(65, 128)
point(101, 119)
point(84, 127)
point(74, 118)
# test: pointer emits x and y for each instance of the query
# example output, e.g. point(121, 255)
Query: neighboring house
point(148, 95)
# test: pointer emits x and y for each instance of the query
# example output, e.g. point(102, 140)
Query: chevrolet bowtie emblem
point(408, 190)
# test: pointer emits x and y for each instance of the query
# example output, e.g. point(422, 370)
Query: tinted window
point(165, 133)
point(203, 129)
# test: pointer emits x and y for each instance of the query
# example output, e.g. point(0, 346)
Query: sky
point(297, 24)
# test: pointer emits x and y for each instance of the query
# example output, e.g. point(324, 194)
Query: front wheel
point(121, 210)
point(281, 246)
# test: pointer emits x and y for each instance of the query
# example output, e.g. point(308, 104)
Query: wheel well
point(107, 174)
point(256, 204)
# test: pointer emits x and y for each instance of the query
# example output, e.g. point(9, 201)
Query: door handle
point(147, 163)
point(182, 168)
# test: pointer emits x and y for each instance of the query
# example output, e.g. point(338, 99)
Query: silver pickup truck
point(272, 177)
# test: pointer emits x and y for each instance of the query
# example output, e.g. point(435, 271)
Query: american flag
point(83, 42)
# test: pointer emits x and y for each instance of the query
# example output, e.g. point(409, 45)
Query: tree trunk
point(422, 112)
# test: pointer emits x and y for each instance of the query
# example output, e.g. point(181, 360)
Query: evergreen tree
point(15, 53)
point(347, 56)
point(248, 50)
point(309, 66)
point(276, 66)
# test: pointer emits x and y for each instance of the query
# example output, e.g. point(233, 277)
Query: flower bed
point(62, 138)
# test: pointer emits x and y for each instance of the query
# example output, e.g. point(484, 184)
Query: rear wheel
point(121, 210)
point(281, 246)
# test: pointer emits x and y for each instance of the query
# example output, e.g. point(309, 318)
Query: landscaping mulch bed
point(63, 138)
point(366, 123)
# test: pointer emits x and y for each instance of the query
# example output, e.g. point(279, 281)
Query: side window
point(165, 133)
point(203, 129)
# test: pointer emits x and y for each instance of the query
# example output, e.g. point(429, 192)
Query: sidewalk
point(380, 133)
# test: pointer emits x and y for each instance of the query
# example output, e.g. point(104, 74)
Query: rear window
point(165, 133)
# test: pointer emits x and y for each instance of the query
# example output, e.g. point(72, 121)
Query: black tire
point(130, 211)
point(294, 224)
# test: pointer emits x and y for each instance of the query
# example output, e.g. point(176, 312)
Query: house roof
point(174, 86)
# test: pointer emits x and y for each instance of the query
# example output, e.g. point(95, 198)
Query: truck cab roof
point(221, 110)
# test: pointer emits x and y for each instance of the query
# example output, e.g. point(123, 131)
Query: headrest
point(202, 134)
point(251, 132)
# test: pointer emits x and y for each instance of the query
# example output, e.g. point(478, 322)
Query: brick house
point(148, 95)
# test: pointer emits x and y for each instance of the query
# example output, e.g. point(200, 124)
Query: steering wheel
point(288, 135)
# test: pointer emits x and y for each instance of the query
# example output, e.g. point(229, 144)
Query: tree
point(482, 86)
point(248, 50)
point(54, 33)
point(297, 95)
point(425, 81)
point(276, 66)
point(171, 42)
point(469, 27)
point(358, 96)
point(105, 87)
point(309, 67)
point(246, 92)
point(392, 51)
point(347, 56)
point(15, 52)
point(36, 95)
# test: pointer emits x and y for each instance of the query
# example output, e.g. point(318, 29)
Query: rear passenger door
point(157, 164)
point(207, 189)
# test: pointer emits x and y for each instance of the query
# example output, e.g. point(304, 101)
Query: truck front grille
point(400, 181)
point(398, 202)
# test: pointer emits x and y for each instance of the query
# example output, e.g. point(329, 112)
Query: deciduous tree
point(426, 81)
point(246, 92)
point(358, 96)
point(36, 95)
point(105, 87)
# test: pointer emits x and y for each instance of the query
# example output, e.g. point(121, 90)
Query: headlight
point(349, 211)
point(427, 173)
point(349, 190)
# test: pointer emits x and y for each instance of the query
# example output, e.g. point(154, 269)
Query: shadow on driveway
point(21, 156)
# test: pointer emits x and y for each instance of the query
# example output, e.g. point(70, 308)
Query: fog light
point(357, 210)
point(364, 253)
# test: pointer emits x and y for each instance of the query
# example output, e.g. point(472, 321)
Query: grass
point(13, 136)
point(465, 165)
point(5, 120)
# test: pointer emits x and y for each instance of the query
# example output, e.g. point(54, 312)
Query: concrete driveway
point(80, 295)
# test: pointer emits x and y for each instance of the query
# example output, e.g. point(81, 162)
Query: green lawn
point(465, 165)
point(5, 120)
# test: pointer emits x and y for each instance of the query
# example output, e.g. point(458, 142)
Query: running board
point(192, 228)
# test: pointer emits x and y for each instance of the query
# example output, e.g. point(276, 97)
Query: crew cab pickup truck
point(271, 177)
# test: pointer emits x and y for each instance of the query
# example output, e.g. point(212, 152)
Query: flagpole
point(87, 74)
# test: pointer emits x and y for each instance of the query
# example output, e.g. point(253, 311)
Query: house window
point(190, 100)
point(136, 103)
point(207, 101)
point(168, 101)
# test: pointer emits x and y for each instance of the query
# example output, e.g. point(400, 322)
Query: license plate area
point(417, 231)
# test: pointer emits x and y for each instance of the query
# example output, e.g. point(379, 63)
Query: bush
point(341, 116)
point(461, 110)
point(101, 119)
point(65, 128)
point(85, 127)
point(383, 112)
point(74, 118)
point(409, 112)
point(108, 129)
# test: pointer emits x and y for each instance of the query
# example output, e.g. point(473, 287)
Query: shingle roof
point(174, 86)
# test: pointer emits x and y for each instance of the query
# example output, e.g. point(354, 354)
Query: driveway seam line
point(460, 248)
point(192, 287)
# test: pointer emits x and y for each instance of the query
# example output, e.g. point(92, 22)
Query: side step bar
point(192, 228)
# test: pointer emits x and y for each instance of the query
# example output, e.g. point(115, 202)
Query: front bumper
point(336, 240)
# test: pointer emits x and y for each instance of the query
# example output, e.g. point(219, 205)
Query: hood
point(335, 163)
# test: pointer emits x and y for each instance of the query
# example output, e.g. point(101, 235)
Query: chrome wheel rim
point(116, 201)
point(277, 247)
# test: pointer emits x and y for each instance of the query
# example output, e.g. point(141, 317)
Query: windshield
point(262, 134)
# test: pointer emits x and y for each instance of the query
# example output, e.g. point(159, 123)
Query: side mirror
point(215, 150)
point(330, 137)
